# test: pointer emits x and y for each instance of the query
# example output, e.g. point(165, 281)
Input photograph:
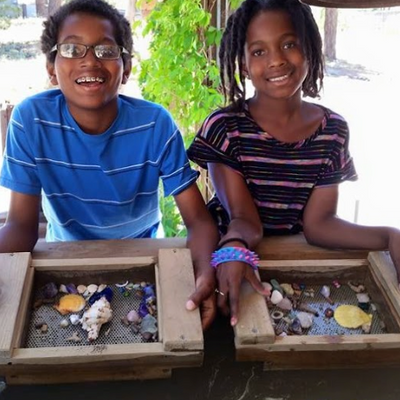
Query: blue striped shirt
point(103, 186)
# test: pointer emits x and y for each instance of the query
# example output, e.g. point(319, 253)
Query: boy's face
point(71, 74)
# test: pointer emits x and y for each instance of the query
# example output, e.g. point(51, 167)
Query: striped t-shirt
point(280, 176)
point(103, 186)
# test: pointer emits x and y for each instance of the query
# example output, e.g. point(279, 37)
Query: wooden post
point(5, 115)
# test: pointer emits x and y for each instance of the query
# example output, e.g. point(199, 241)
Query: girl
point(275, 160)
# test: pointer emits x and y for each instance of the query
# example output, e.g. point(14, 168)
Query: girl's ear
point(52, 73)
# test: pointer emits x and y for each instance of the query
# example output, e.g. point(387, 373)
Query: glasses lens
point(72, 50)
point(107, 51)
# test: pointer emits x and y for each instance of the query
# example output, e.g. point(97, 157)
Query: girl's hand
point(230, 276)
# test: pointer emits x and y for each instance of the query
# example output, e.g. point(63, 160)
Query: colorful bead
point(227, 254)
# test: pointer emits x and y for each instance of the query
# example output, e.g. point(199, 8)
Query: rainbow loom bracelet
point(227, 254)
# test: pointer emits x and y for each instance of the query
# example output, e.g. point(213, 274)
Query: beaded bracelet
point(233, 239)
point(227, 254)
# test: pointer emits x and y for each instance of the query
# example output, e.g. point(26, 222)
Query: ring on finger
point(219, 292)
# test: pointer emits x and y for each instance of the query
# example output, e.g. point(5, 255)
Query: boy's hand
point(204, 297)
point(230, 276)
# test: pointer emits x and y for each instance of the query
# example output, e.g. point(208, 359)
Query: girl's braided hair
point(231, 53)
point(100, 8)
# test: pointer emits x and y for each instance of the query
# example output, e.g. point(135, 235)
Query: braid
point(231, 53)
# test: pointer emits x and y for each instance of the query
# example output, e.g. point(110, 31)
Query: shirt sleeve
point(213, 144)
point(340, 166)
point(19, 170)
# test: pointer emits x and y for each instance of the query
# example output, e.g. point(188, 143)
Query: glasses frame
point(122, 51)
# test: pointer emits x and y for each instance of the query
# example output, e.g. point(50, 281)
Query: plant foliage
point(181, 74)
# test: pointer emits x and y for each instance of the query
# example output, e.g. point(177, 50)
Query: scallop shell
point(351, 316)
point(70, 303)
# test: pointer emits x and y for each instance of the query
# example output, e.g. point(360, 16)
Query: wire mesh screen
point(113, 332)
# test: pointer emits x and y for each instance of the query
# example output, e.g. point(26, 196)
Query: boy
point(95, 157)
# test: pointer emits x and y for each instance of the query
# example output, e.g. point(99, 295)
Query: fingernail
point(190, 305)
point(233, 321)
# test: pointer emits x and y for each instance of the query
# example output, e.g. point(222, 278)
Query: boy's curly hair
point(100, 8)
point(231, 53)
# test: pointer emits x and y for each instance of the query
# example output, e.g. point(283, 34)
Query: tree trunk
point(130, 11)
point(54, 5)
point(41, 9)
point(330, 30)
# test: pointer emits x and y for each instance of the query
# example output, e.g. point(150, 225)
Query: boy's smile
point(89, 84)
point(274, 59)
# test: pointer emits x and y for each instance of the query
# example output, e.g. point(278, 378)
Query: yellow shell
point(351, 316)
point(70, 303)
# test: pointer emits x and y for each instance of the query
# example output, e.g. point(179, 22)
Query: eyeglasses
point(101, 51)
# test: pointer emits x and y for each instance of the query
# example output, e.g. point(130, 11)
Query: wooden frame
point(180, 334)
point(255, 339)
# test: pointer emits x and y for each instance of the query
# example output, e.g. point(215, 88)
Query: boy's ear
point(52, 73)
point(127, 71)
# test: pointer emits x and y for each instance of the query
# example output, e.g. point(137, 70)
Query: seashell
point(307, 309)
point(96, 316)
point(63, 289)
point(306, 319)
point(74, 338)
point(350, 316)
point(64, 323)
point(70, 303)
point(49, 290)
point(101, 287)
point(276, 297)
point(285, 304)
point(287, 288)
point(90, 290)
point(326, 292)
point(133, 316)
point(75, 319)
point(366, 328)
point(363, 298)
point(355, 287)
point(81, 289)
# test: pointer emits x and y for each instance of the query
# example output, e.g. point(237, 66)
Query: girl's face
point(89, 84)
point(274, 59)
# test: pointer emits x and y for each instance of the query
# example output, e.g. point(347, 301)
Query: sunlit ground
point(364, 89)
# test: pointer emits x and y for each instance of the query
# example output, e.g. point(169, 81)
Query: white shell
point(276, 297)
point(75, 319)
point(64, 323)
point(98, 314)
point(305, 319)
point(326, 291)
point(363, 298)
point(62, 289)
point(101, 287)
point(81, 289)
point(90, 290)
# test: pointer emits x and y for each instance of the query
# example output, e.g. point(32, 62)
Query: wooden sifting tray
point(326, 344)
point(30, 356)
